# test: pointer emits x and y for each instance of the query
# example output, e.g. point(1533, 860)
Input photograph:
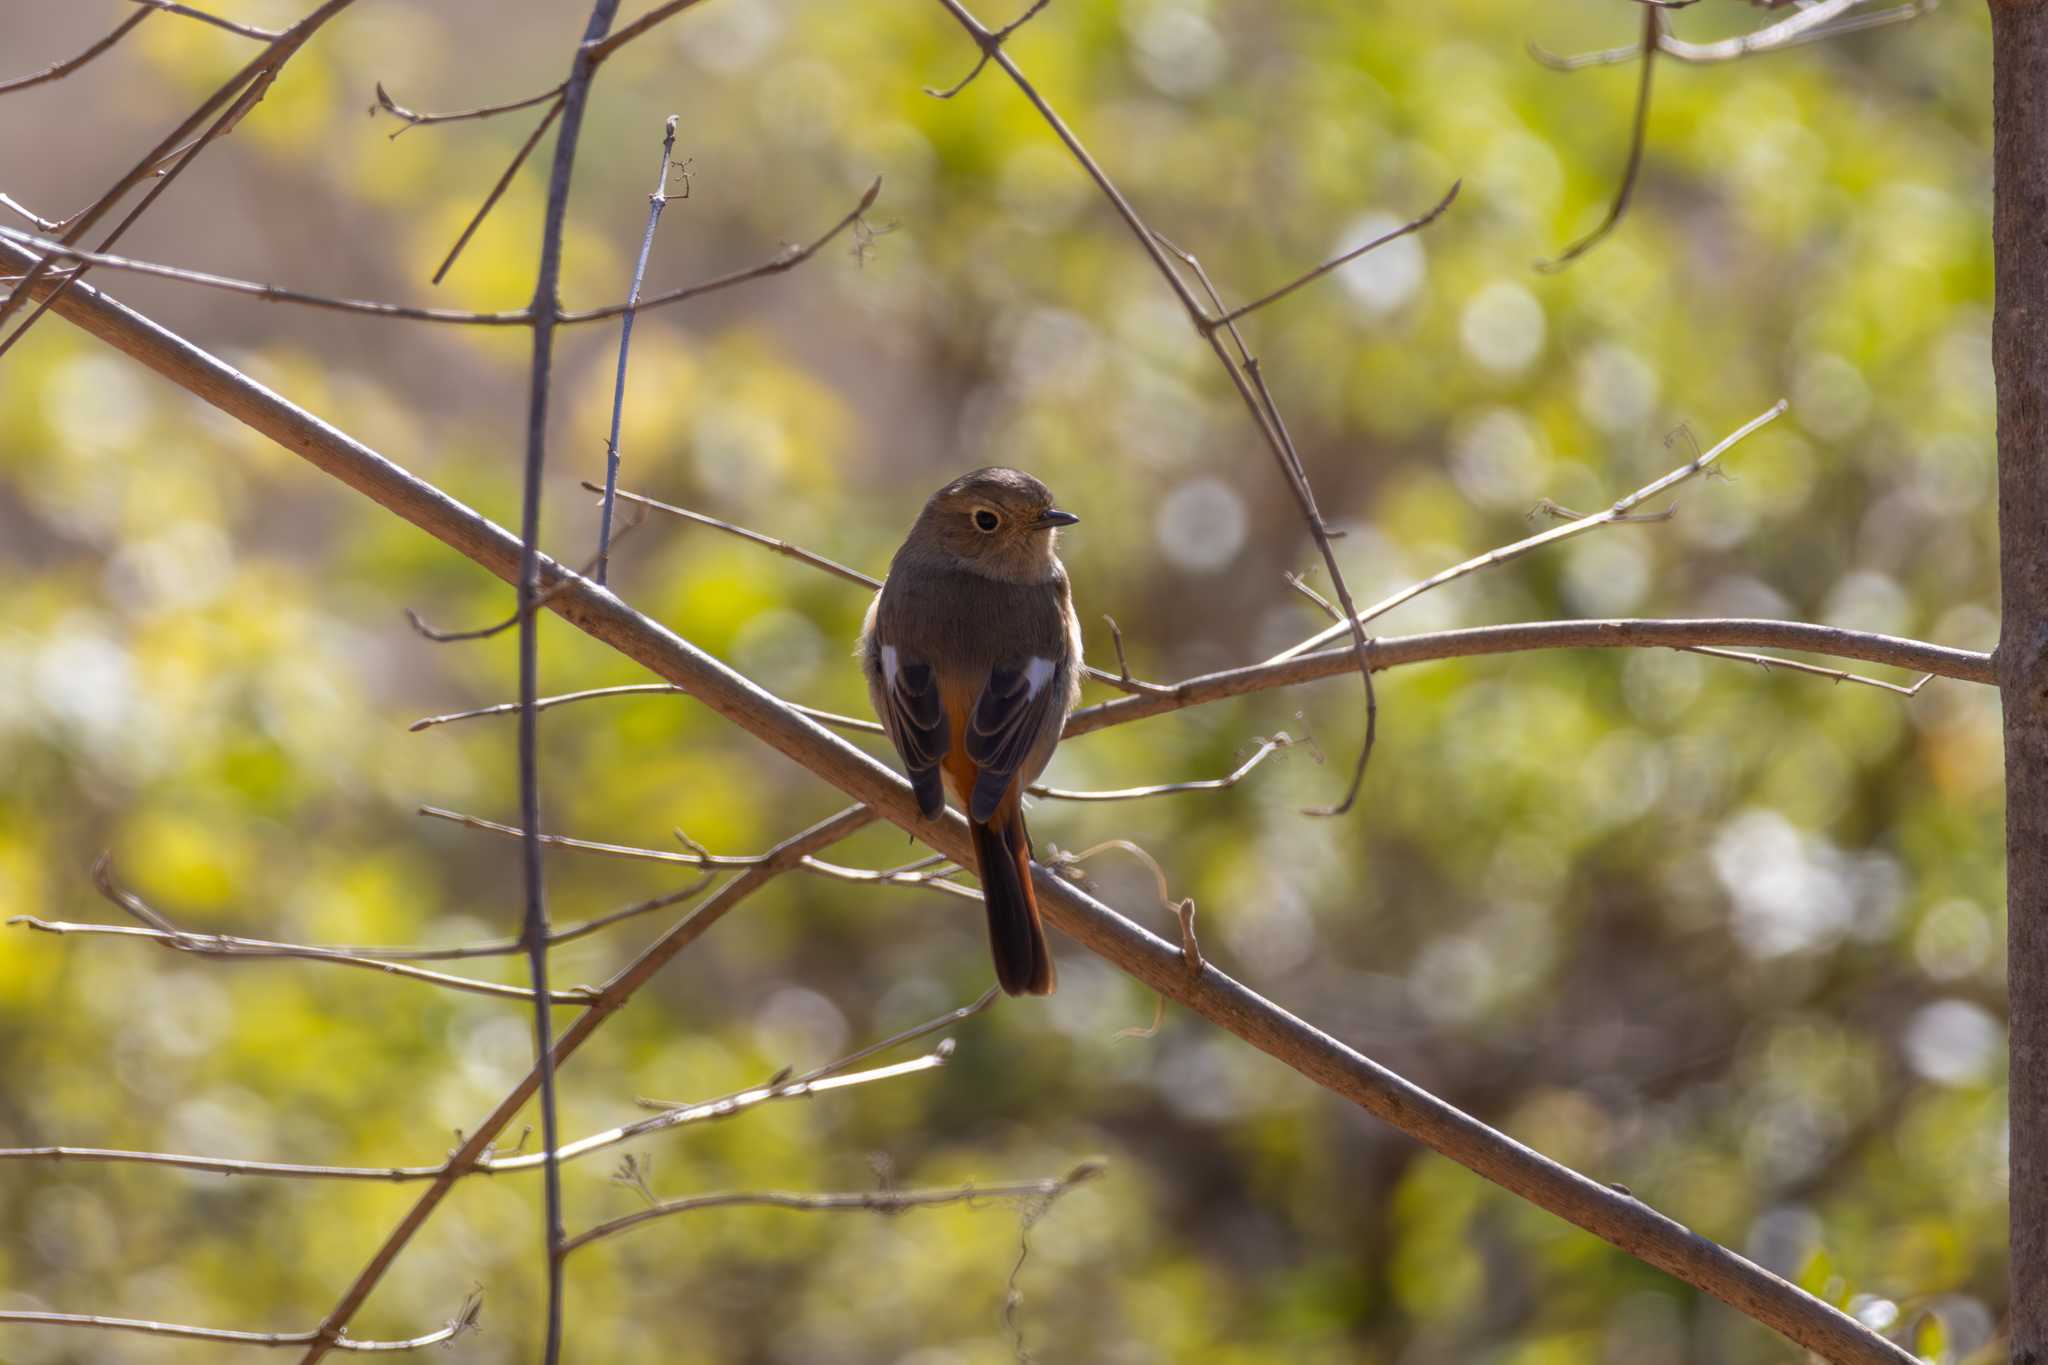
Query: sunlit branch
point(1517, 549)
point(158, 929)
point(834, 1075)
point(1391, 651)
point(227, 946)
point(1216, 784)
point(462, 1322)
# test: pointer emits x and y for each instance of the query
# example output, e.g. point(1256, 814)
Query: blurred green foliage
point(1732, 938)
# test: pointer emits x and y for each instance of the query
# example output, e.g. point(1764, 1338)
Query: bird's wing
point(912, 713)
point(1007, 725)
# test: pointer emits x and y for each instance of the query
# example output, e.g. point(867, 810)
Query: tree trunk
point(2019, 351)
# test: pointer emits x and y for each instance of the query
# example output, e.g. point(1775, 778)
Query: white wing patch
point(1037, 674)
point(889, 668)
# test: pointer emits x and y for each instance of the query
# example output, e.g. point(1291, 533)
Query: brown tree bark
point(2019, 351)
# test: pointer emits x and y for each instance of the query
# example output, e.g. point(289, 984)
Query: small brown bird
point(973, 658)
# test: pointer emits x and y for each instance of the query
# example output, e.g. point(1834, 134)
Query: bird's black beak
point(1051, 517)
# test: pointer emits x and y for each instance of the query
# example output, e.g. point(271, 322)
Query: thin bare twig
point(1515, 550)
point(1811, 24)
point(1768, 662)
point(1214, 784)
point(57, 71)
point(520, 614)
point(790, 259)
point(227, 946)
point(225, 108)
point(831, 718)
point(656, 202)
point(1392, 651)
point(1300, 585)
point(1121, 679)
point(1224, 319)
point(1296, 472)
point(868, 1201)
point(834, 1075)
point(496, 948)
point(489, 1163)
point(412, 119)
point(1638, 138)
point(503, 183)
point(463, 1321)
point(779, 546)
point(989, 43)
point(615, 994)
point(52, 250)
point(227, 25)
point(269, 293)
point(1183, 910)
point(690, 858)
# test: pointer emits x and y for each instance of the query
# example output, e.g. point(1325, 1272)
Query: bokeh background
point(1729, 937)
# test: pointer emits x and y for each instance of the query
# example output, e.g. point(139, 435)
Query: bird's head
point(997, 522)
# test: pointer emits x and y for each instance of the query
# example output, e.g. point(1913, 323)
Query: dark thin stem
point(1414, 225)
point(596, 52)
point(788, 260)
point(546, 305)
point(57, 71)
point(229, 25)
point(522, 613)
point(498, 190)
point(989, 44)
point(230, 100)
point(1653, 31)
point(1291, 468)
point(656, 202)
point(414, 119)
point(166, 171)
point(778, 545)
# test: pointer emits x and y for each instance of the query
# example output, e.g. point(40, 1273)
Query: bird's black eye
point(985, 520)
